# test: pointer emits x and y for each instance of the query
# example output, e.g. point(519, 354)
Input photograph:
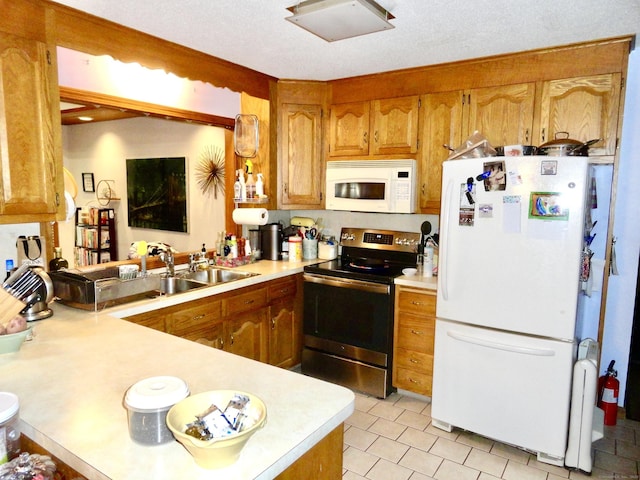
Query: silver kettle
point(37, 307)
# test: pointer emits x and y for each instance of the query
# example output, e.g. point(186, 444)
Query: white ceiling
point(254, 33)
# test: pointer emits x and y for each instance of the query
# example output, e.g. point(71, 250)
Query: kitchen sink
point(214, 276)
point(172, 285)
point(185, 280)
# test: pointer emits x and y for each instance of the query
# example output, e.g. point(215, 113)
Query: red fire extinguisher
point(608, 387)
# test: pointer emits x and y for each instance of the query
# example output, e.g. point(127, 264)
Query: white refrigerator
point(511, 238)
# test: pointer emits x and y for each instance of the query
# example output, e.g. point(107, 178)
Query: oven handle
point(348, 283)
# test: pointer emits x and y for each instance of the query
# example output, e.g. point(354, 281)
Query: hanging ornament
point(210, 170)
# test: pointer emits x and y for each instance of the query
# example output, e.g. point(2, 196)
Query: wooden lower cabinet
point(322, 462)
point(261, 322)
point(414, 333)
point(247, 335)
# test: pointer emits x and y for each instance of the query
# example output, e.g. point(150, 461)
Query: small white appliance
point(511, 237)
point(381, 186)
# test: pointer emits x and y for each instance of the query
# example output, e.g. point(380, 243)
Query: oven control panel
point(380, 239)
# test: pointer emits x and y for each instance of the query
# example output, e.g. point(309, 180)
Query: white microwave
point(385, 186)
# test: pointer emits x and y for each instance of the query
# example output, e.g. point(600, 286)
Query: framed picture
point(157, 193)
point(88, 184)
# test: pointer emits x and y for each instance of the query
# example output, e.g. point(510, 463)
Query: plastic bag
point(475, 146)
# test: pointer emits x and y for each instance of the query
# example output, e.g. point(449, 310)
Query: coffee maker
point(271, 241)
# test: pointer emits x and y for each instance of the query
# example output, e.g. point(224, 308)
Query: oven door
point(349, 317)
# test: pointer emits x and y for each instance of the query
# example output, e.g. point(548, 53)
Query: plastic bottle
point(250, 184)
point(259, 186)
point(243, 189)
point(237, 187)
point(427, 269)
point(57, 262)
point(233, 244)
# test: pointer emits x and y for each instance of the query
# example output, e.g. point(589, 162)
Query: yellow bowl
point(219, 452)
point(12, 342)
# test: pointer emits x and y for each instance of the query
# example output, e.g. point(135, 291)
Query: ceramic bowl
point(220, 452)
point(409, 271)
point(12, 342)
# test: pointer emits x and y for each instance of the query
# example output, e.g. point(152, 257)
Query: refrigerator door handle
point(540, 352)
point(444, 249)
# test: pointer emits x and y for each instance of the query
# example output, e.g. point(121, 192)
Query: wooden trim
point(68, 94)
point(90, 34)
point(576, 60)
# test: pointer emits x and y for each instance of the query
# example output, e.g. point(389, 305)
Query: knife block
point(9, 306)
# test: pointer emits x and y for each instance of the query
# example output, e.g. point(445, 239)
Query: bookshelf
point(95, 236)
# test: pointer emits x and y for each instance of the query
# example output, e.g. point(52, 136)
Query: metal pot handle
point(563, 133)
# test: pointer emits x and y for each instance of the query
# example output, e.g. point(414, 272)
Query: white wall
point(102, 149)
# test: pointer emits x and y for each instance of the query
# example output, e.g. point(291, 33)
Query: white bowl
point(409, 271)
point(219, 452)
point(12, 342)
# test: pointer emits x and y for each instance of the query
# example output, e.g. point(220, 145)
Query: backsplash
point(8, 237)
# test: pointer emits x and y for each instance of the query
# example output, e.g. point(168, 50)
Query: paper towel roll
point(250, 216)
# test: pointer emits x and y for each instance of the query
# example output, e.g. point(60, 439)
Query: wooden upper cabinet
point(586, 108)
point(379, 127)
point(441, 125)
point(394, 126)
point(349, 129)
point(302, 164)
point(504, 114)
point(30, 164)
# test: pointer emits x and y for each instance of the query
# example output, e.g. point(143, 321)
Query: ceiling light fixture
point(339, 19)
point(85, 119)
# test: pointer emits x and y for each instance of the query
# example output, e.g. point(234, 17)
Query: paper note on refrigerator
point(511, 206)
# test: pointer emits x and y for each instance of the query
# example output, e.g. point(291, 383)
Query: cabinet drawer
point(412, 360)
point(413, 381)
point(197, 318)
point(416, 302)
point(282, 288)
point(245, 301)
point(415, 333)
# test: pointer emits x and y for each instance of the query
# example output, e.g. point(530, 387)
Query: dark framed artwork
point(157, 193)
point(88, 183)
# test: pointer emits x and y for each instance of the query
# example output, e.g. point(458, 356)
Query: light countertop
point(417, 281)
point(72, 377)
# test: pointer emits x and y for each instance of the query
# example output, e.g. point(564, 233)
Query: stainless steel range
point(348, 309)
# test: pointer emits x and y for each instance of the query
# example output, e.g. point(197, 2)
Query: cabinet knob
point(417, 332)
point(413, 360)
point(375, 136)
point(414, 302)
point(365, 138)
point(198, 317)
point(414, 381)
point(231, 339)
point(273, 323)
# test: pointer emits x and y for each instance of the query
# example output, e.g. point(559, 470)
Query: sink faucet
point(167, 258)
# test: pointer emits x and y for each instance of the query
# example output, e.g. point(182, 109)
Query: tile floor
point(393, 439)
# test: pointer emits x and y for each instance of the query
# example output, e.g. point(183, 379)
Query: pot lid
point(156, 392)
point(561, 141)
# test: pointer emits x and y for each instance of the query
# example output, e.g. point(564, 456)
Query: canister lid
point(9, 405)
point(156, 392)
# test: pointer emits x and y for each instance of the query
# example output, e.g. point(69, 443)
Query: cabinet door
point(349, 129)
point(29, 159)
point(395, 126)
point(586, 108)
point(301, 158)
point(441, 125)
point(247, 335)
point(504, 115)
point(282, 334)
